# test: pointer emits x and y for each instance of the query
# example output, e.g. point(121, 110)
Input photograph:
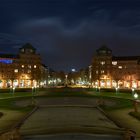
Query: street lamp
point(32, 95)
point(35, 89)
point(13, 90)
point(96, 88)
point(32, 91)
point(135, 102)
point(133, 90)
point(136, 96)
point(99, 89)
point(116, 90)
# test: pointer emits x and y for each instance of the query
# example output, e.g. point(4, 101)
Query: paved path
point(57, 115)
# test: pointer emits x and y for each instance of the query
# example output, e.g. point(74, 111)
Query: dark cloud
point(67, 33)
point(74, 46)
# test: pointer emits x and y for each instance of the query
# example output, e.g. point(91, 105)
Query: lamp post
point(133, 90)
point(135, 102)
point(96, 88)
point(66, 80)
point(32, 91)
point(99, 89)
point(35, 89)
point(13, 90)
point(116, 90)
point(32, 95)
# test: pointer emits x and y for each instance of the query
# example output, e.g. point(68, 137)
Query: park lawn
point(113, 94)
point(16, 94)
point(9, 118)
point(11, 114)
point(10, 104)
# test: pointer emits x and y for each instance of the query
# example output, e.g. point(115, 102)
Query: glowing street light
point(133, 90)
point(32, 95)
point(135, 102)
point(13, 90)
point(99, 89)
point(136, 96)
point(96, 88)
point(116, 90)
point(32, 91)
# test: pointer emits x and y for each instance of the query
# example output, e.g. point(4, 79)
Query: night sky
point(67, 32)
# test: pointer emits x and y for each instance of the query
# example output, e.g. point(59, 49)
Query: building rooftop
point(126, 58)
point(104, 50)
point(8, 56)
point(27, 46)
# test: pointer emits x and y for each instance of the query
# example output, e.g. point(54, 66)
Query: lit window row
point(102, 71)
point(120, 67)
point(29, 66)
point(16, 71)
point(102, 62)
point(114, 62)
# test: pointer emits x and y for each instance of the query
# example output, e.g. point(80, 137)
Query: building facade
point(112, 71)
point(22, 70)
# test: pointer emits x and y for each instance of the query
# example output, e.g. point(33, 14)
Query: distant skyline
point(67, 32)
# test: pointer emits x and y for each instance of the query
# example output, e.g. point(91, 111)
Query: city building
point(112, 71)
point(22, 70)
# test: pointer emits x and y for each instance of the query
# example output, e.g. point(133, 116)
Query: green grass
point(9, 104)
point(123, 100)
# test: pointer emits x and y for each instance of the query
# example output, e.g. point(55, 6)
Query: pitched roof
point(27, 46)
point(104, 48)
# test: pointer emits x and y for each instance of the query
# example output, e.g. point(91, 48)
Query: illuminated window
point(102, 71)
point(114, 62)
point(29, 66)
point(34, 66)
point(102, 62)
point(22, 66)
point(29, 71)
point(96, 71)
point(16, 70)
point(120, 67)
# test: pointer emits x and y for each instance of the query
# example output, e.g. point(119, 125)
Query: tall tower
point(101, 66)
